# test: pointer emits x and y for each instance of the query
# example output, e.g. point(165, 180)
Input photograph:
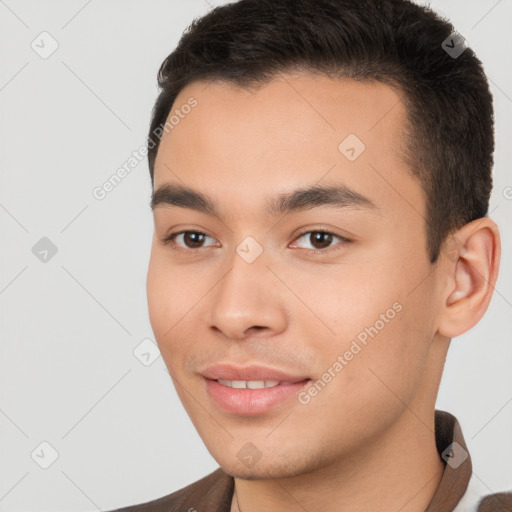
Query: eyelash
point(169, 240)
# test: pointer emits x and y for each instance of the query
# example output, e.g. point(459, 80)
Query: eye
point(321, 240)
point(191, 239)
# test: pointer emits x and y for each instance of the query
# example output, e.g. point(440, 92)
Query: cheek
point(380, 329)
point(156, 294)
point(349, 300)
point(393, 363)
point(167, 297)
point(175, 296)
point(372, 381)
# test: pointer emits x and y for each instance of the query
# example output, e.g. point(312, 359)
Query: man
point(321, 174)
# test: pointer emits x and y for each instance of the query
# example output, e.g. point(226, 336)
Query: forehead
point(295, 130)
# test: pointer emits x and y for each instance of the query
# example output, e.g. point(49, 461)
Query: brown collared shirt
point(458, 490)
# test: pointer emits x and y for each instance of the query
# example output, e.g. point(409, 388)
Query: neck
point(399, 471)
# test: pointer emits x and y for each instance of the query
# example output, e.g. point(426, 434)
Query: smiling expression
point(274, 247)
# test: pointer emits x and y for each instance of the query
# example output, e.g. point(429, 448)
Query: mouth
point(251, 390)
point(252, 384)
point(254, 375)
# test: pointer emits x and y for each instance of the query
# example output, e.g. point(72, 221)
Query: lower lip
point(251, 401)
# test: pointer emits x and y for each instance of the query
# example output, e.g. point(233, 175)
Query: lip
point(250, 402)
point(253, 372)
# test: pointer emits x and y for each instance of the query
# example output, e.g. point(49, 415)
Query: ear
point(471, 258)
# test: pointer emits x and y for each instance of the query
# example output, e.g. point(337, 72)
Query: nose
point(248, 301)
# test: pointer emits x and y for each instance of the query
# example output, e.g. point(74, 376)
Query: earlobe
point(472, 264)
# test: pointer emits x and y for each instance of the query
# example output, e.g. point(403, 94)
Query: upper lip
point(253, 372)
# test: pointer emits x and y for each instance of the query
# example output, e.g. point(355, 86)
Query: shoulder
point(477, 498)
point(499, 502)
point(215, 489)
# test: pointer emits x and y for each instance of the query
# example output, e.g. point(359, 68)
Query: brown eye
point(321, 241)
point(193, 239)
point(190, 240)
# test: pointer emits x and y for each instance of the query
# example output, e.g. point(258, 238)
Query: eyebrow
point(339, 196)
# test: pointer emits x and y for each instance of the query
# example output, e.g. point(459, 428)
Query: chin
point(263, 470)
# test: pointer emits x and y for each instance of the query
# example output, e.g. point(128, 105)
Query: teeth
point(250, 384)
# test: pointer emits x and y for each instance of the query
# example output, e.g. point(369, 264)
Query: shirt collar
point(457, 471)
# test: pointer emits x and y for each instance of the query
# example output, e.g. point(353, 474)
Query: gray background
point(70, 325)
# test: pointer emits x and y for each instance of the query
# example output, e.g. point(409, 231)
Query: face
point(333, 289)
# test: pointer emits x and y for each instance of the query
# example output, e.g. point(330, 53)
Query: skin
point(366, 441)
